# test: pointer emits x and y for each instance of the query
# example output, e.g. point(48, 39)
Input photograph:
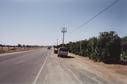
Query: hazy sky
point(40, 21)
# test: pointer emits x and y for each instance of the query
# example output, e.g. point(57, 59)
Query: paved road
point(23, 67)
point(41, 66)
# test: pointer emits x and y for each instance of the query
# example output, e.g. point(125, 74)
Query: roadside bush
point(92, 45)
point(105, 48)
point(110, 47)
point(124, 49)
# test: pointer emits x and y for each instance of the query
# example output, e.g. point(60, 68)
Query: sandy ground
point(13, 49)
point(80, 70)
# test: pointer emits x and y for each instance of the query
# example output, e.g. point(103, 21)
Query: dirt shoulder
point(113, 73)
point(79, 70)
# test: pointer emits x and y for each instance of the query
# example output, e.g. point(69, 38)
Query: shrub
point(110, 47)
point(105, 48)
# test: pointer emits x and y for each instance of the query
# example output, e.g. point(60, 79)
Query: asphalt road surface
point(21, 67)
point(41, 66)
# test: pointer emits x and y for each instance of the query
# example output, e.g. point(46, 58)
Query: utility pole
point(57, 42)
point(64, 30)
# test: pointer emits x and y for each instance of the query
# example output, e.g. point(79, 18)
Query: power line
point(92, 18)
point(99, 13)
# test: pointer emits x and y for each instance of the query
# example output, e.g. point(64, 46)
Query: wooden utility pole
point(64, 30)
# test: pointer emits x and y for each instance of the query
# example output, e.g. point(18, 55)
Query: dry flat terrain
point(13, 49)
point(80, 70)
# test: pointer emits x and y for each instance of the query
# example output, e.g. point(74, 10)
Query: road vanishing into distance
point(21, 67)
point(41, 66)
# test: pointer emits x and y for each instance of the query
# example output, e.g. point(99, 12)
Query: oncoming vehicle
point(62, 52)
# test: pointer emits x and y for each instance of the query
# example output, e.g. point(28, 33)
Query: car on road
point(62, 52)
point(55, 50)
point(49, 47)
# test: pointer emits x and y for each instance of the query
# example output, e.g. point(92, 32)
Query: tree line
point(108, 47)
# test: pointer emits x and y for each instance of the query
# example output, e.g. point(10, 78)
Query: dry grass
point(12, 49)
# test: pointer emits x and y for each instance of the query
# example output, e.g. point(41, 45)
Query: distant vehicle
point(62, 52)
point(49, 47)
point(55, 50)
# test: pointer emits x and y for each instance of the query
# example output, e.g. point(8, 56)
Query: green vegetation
point(107, 48)
point(124, 48)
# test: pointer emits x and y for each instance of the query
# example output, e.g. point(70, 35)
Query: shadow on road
point(120, 63)
point(67, 57)
point(123, 63)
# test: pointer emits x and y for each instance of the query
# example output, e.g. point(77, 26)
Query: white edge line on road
point(35, 81)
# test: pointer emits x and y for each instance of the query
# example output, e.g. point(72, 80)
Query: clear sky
point(40, 21)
